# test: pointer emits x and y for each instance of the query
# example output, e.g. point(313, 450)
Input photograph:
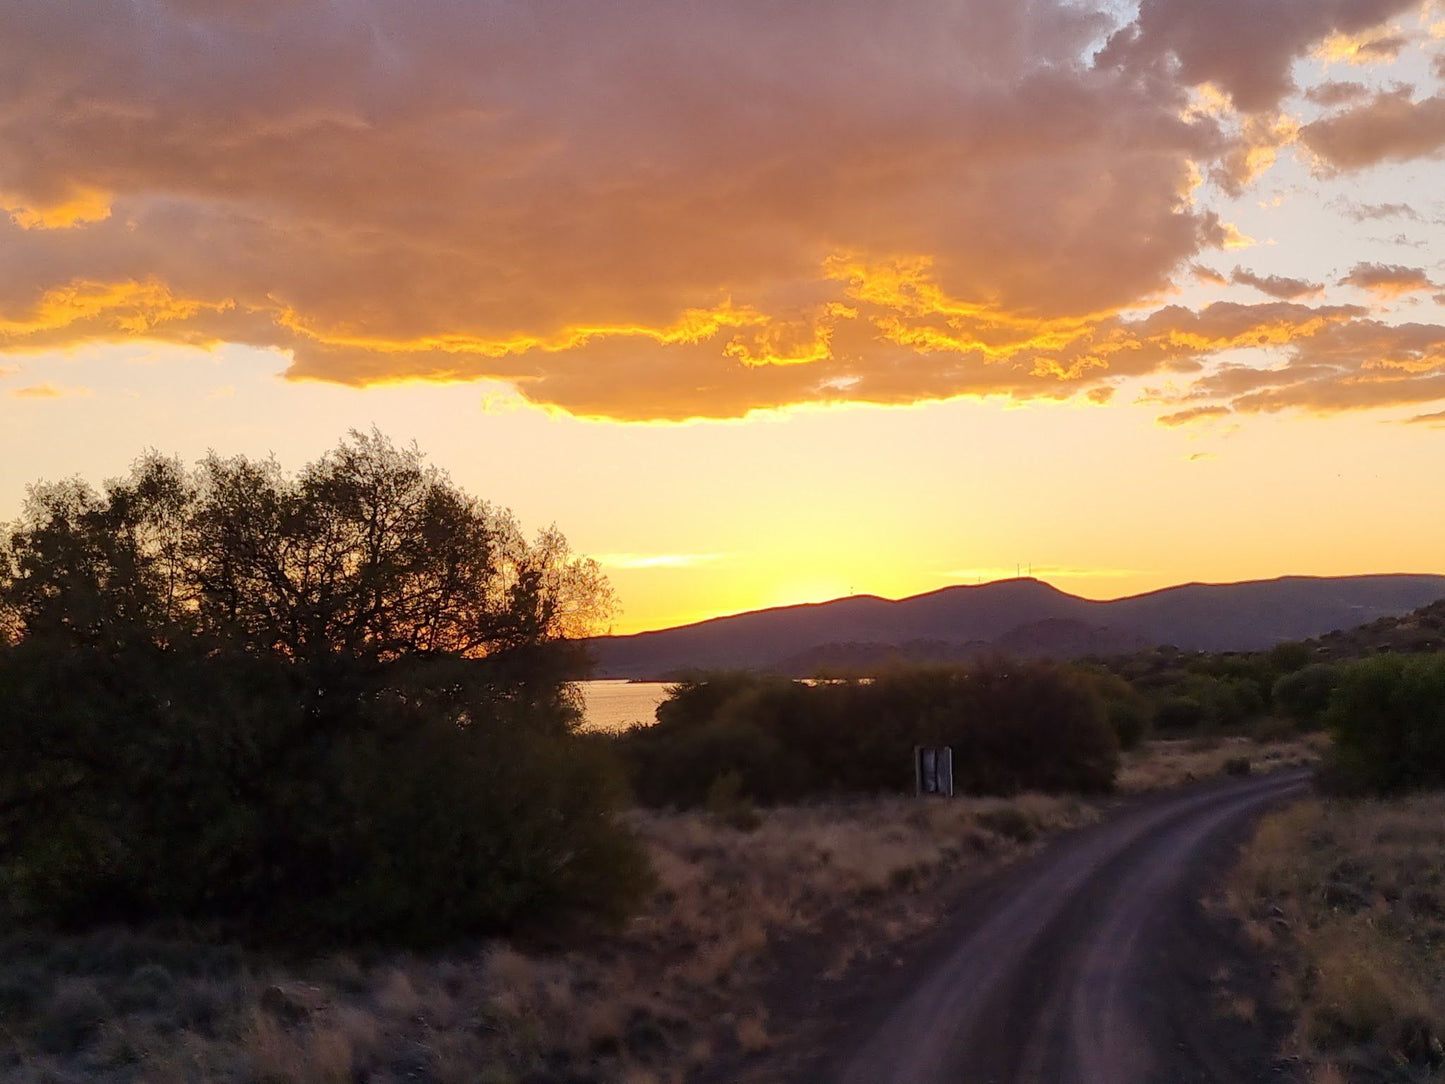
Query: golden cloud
point(1363, 48)
point(1260, 138)
point(78, 207)
point(644, 211)
point(1279, 286)
point(1338, 366)
point(1193, 414)
point(1388, 280)
point(48, 391)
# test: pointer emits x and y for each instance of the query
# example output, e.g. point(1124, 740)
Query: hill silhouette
point(1422, 630)
point(1022, 616)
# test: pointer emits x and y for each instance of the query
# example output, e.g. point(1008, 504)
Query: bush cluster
point(1179, 694)
point(1013, 725)
point(1387, 718)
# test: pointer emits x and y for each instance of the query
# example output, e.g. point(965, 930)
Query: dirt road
point(1093, 964)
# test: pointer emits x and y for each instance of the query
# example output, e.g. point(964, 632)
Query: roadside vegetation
point(1349, 888)
point(1174, 762)
point(1014, 726)
point(690, 981)
point(1350, 895)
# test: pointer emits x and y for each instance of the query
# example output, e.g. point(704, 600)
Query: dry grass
point(1352, 895)
point(1160, 765)
point(681, 986)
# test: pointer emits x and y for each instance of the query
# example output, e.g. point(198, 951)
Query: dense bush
point(329, 706)
point(1203, 693)
point(1387, 718)
point(1304, 695)
point(1178, 715)
point(1013, 726)
point(1128, 710)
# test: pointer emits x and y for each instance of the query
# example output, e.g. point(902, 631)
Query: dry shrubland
point(1159, 765)
point(681, 986)
point(1352, 896)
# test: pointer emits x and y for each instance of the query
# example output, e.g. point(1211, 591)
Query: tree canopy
point(367, 553)
point(332, 701)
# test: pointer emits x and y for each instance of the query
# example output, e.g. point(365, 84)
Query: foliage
point(1304, 695)
point(1263, 692)
point(1013, 725)
point(1387, 718)
point(1178, 715)
point(1350, 895)
point(328, 705)
point(1128, 710)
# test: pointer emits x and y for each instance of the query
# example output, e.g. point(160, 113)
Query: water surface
point(616, 705)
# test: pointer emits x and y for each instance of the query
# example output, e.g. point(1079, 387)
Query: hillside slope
point(1023, 616)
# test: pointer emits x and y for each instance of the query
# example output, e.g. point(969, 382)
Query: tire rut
point(1073, 977)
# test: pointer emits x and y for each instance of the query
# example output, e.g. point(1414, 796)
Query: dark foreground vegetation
point(330, 705)
point(1348, 890)
point(1262, 693)
point(1378, 691)
point(1013, 725)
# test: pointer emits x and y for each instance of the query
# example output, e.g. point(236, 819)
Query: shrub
point(1387, 718)
point(1012, 725)
point(202, 788)
point(1178, 714)
point(1128, 711)
point(1304, 695)
point(727, 805)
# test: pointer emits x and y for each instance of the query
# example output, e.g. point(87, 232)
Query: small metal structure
point(933, 770)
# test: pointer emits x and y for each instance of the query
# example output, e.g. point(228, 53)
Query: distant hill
point(1022, 616)
point(1420, 631)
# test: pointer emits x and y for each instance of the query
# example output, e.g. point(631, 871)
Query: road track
point(1090, 967)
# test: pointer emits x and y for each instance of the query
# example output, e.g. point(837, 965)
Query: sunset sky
point(763, 301)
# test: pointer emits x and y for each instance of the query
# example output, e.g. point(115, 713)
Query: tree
point(367, 554)
point(222, 679)
point(1387, 718)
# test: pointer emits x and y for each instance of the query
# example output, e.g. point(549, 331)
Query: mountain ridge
point(1244, 615)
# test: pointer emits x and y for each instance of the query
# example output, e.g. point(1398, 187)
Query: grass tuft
point(1347, 893)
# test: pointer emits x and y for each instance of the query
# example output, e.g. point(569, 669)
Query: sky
point(761, 302)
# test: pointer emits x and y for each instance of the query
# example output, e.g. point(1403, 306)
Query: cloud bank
point(664, 211)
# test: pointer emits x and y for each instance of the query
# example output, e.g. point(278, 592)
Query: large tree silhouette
point(335, 695)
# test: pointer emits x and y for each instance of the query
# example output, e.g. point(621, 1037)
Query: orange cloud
point(1388, 280)
point(1337, 366)
point(48, 391)
point(1260, 138)
point(1245, 50)
point(1286, 289)
point(1391, 126)
point(640, 211)
point(1363, 48)
point(1193, 414)
point(1208, 275)
point(77, 207)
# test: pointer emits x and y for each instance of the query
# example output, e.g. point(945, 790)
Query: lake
point(616, 705)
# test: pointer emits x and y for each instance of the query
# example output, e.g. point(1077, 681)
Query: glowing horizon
point(759, 305)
